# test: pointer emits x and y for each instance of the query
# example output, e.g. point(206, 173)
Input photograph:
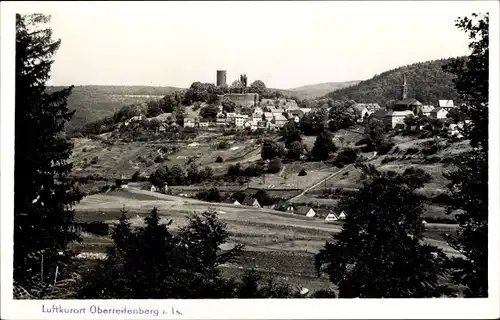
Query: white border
point(240, 309)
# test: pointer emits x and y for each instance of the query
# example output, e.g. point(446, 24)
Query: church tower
point(404, 88)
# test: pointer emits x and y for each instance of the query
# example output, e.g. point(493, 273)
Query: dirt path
point(328, 178)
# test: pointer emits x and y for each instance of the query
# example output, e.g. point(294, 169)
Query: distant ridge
point(93, 102)
point(320, 89)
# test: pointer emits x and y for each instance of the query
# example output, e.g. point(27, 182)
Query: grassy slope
point(95, 102)
point(427, 82)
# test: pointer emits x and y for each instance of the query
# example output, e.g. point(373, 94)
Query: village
point(273, 114)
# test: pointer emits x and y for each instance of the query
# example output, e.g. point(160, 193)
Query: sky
point(284, 44)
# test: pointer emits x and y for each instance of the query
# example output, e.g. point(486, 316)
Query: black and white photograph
point(253, 159)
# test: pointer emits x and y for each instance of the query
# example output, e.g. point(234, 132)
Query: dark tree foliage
point(271, 150)
point(154, 108)
point(259, 87)
point(314, 122)
point(211, 195)
point(342, 115)
point(174, 176)
point(472, 78)
point(228, 105)
point(44, 192)
point(152, 263)
point(456, 115)
point(290, 133)
point(427, 82)
point(323, 146)
point(468, 185)
point(274, 166)
point(374, 134)
point(378, 253)
point(295, 151)
point(209, 112)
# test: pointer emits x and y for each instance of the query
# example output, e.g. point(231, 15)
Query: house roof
point(369, 106)
point(163, 116)
point(427, 108)
point(403, 113)
point(303, 210)
point(408, 102)
point(249, 201)
point(436, 110)
point(279, 117)
point(305, 110)
point(379, 114)
point(445, 103)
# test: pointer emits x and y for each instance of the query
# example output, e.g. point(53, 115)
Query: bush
point(158, 159)
point(254, 170)
point(302, 173)
point(411, 151)
point(362, 142)
point(95, 227)
point(442, 198)
point(94, 160)
point(222, 145)
point(447, 160)
point(432, 159)
point(323, 294)
point(346, 156)
point(274, 166)
point(219, 159)
point(385, 147)
point(388, 159)
point(430, 150)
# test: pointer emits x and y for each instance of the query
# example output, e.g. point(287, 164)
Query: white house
point(427, 109)
point(204, 123)
point(240, 120)
point(153, 189)
point(189, 123)
point(306, 211)
point(447, 104)
point(305, 110)
point(439, 113)
point(393, 119)
point(331, 217)
point(342, 216)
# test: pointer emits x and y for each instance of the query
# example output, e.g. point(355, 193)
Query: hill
point(320, 89)
point(427, 82)
point(96, 102)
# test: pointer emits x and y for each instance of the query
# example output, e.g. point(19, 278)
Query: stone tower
point(404, 88)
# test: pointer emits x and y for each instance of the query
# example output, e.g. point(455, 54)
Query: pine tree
point(44, 192)
point(468, 185)
point(378, 253)
point(323, 145)
point(152, 263)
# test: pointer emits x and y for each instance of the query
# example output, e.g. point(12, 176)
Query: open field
point(127, 158)
point(259, 229)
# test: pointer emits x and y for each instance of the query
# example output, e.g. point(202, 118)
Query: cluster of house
point(303, 210)
point(400, 109)
point(269, 114)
